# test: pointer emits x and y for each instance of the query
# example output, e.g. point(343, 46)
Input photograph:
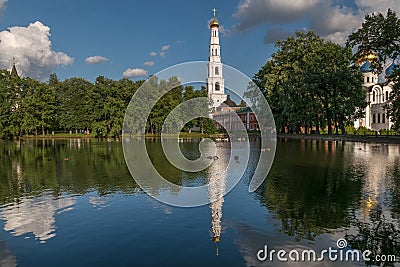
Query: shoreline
point(380, 139)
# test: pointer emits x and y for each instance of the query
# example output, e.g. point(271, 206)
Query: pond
point(74, 203)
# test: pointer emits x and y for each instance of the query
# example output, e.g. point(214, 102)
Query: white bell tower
point(215, 81)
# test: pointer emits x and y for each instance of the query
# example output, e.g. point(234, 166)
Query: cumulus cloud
point(165, 47)
point(96, 60)
point(153, 54)
point(330, 19)
point(31, 46)
point(274, 34)
point(148, 63)
point(252, 13)
point(136, 72)
point(162, 54)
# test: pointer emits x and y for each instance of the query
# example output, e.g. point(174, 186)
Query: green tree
point(38, 106)
point(378, 34)
point(310, 83)
point(75, 104)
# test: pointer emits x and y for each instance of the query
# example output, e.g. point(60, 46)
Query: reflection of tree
point(63, 166)
point(310, 188)
point(381, 236)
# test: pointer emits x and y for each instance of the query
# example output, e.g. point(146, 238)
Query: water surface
point(74, 203)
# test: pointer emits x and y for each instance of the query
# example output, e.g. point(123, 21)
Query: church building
point(377, 96)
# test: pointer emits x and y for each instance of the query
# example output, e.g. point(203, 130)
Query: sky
point(135, 39)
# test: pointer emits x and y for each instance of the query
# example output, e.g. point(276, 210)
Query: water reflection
point(7, 258)
point(216, 190)
point(35, 215)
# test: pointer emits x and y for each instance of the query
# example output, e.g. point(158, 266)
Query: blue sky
point(120, 35)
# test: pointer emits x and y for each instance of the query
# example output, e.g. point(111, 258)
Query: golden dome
point(214, 23)
point(371, 56)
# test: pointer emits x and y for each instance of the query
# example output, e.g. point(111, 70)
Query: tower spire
point(215, 80)
point(14, 69)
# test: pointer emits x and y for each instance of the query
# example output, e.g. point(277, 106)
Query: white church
point(377, 95)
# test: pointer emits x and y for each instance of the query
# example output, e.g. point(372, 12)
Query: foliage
point(378, 34)
point(78, 106)
point(310, 83)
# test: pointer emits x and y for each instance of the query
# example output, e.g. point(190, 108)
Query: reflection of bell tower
point(216, 191)
point(215, 80)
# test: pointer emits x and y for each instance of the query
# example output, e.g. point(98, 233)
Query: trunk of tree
point(202, 126)
point(336, 125)
point(341, 125)
point(316, 124)
point(43, 131)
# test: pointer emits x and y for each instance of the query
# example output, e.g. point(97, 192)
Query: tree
point(75, 104)
point(10, 104)
point(378, 34)
point(38, 106)
point(310, 83)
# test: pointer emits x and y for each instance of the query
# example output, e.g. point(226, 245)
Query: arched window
point(216, 71)
point(368, 79)
point(373, 96)
point(217, 86)
point(387, 95)
point(373, 118)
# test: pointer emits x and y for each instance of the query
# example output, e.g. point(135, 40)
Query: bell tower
point(215, 80)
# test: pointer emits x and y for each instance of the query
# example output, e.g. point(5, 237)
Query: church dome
point(214, 23)
point(229, 102)
point(390, 69)
point(366, 67)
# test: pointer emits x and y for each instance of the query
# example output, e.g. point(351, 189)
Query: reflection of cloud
point(35, 215)
point(98, 202)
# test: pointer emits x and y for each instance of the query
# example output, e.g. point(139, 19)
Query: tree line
point(75, 105)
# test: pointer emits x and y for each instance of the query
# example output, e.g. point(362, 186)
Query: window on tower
point(217, 86)
point(216, 71)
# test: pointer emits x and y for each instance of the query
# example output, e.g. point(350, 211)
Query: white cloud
point(252, 13)
point(153, 54)
point(148, 63)
point(31, 46)
point(2, 4)
point(96, 60)
point(368, 6)
point(165, 47)
point(136, 72)
point(330, 19)
point(162, 54)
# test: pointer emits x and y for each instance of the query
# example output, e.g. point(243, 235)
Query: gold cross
point(215, 12)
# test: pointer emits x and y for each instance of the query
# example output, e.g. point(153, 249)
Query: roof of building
point(366, 67)
point(371, 56)
point(390, 69)
point(14, 71)
point(229, 102)
point(214, 23)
